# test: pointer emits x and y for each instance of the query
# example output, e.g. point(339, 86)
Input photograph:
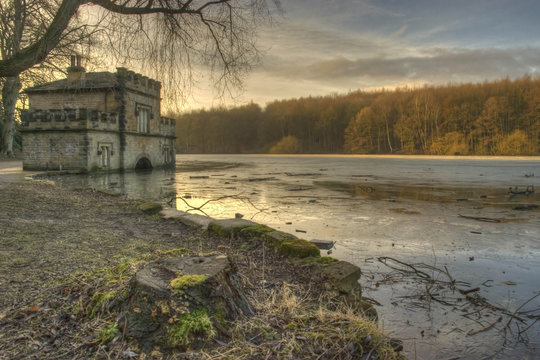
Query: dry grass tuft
point(289, 325)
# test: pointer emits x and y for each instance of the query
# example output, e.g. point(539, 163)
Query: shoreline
point(42, 222)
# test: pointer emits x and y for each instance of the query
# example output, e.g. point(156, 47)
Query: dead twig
point(487, 327)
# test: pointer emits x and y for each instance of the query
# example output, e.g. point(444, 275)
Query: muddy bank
point(68, 257)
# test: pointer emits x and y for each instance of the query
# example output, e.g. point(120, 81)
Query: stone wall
point(52, 150)
point(132, 100)
point(104, 100)
point(151, 147)
point(97, 139)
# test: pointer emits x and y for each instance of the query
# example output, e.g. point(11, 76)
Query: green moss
point(182, 282)
point(291, 326)
point(226, 228)
point(119, 272)
point(256, 231)
point(98, 301)
point(189, 326)
point(157, 216)
point(299, 248)
point(108, 333)
point(218, 230)
point(327, 259)
point(150, 207)
point(276, 238)
point(220, 316)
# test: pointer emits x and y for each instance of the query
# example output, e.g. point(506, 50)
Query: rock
point(192, 220)
point(298, 248)
point(323, 244)
point(150, 207)
point(238, 216)
point(276, 237)
point(256, 231)
point(229, 227)
point(182, 301)
point(343, 275)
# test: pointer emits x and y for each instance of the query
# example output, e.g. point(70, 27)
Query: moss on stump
point(173, 302)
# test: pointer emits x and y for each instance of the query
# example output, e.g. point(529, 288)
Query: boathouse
point(96, 121)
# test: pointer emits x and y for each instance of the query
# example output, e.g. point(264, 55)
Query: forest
point(491, 118)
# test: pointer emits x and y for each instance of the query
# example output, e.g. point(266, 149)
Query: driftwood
point(487, 327)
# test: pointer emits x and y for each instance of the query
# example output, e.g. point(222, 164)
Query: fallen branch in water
point(487, 327)
point(437, 285)
point(235, 197)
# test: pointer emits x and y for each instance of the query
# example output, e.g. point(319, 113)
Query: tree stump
point(183, 301)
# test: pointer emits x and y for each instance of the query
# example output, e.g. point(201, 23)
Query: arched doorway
point(143, 164)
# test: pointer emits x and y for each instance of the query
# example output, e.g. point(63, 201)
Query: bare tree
point(21, 23)
point(170, 39)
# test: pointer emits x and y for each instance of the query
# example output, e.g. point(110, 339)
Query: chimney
point(75, 73)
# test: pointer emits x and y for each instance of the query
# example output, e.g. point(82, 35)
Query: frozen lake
point(442, 213)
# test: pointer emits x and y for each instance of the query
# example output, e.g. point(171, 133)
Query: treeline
point(491, 118)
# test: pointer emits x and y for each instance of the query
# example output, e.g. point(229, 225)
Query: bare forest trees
point(169, 39)
point(496, 118)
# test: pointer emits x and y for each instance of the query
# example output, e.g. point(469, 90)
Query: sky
point(322, 47)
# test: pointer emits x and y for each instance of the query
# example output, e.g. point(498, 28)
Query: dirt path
point(11, 171)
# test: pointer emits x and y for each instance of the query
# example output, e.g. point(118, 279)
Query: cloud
point(435, 66)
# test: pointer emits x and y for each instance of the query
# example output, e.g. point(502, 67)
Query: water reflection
point(156, 184)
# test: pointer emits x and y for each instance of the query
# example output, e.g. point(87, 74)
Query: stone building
point(96, 121)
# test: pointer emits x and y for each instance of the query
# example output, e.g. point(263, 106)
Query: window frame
point(143, 115)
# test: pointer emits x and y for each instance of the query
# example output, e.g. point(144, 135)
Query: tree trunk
point(10, 94)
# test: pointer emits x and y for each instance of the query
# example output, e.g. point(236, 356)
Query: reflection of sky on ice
point(399, 207)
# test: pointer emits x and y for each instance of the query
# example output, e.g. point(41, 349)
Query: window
point(143, 118)
point(167, 155)
point(104, 154)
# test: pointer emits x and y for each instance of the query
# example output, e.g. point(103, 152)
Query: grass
point(108, 333)
point(290, 324)
point(98, 301)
